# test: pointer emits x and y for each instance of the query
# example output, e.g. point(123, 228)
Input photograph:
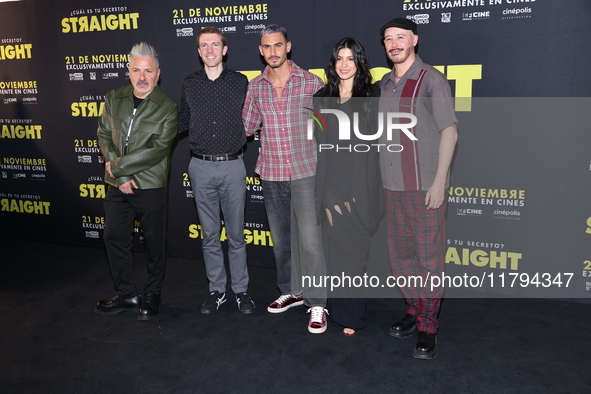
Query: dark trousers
point(346, 249)
point(278, 208)
point(150, 206)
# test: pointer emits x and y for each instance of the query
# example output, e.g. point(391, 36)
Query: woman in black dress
point(349, 189)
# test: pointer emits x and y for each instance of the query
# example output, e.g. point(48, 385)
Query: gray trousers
point(221, 185)
point(297, 237)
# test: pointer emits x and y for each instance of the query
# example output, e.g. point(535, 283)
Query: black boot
point(426, 348)
point(150, 306)
point(404, 328)
point(117, 305)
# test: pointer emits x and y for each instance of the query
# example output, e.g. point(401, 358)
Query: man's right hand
point(108, 168)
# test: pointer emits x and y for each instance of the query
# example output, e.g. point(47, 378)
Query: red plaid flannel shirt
point(286, 153)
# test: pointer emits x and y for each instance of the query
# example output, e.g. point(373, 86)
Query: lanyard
point(129, 131)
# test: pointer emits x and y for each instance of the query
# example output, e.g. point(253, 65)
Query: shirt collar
point(412, 71)
point(156, 95)
point(295, 71)
point(202, 74)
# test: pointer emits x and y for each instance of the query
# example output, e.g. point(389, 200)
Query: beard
point(142, 87)
point(401, 56)
point(275, 61)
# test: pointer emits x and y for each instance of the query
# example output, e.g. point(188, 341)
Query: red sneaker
point(317, 324)
point(285, 302)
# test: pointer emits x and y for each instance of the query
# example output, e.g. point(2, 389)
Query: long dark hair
point(362, 81)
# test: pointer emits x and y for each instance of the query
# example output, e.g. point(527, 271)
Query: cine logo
point(393, 120)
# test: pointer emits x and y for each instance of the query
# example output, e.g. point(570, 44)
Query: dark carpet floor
point(52, 342)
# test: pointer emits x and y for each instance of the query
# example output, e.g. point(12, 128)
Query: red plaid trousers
point(416, 246)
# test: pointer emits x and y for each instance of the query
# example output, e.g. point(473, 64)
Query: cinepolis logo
point(393, 122)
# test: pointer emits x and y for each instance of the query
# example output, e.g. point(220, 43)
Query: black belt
point(230, 156)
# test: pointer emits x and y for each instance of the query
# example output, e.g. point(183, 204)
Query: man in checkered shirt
point(287, 165)
point(416, 180)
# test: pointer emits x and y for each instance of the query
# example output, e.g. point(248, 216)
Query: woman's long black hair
point(362, 81)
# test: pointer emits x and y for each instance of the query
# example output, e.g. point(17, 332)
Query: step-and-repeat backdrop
point(519, 219)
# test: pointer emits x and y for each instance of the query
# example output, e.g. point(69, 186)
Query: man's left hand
point(127, 187)
point(435, 196)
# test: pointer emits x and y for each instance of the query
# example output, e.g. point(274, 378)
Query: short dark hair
point(272, 29)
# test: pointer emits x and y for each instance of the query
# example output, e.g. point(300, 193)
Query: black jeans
point(150, 206)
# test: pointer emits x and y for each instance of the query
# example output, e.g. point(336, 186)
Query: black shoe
point(404, 328)
point(150, 306)
point(213, 302)
point(426, 348)
point(117, 305)
point(245, 304)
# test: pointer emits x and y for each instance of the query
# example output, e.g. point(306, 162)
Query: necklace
point(279, 84)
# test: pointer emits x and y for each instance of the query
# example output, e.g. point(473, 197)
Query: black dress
point(349, 188)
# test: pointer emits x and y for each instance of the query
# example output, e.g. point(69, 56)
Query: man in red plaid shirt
point(287, 165)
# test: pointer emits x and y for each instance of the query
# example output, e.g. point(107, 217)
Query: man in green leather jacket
point(135, 134)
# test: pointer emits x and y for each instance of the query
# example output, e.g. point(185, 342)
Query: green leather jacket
point(154, 128)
